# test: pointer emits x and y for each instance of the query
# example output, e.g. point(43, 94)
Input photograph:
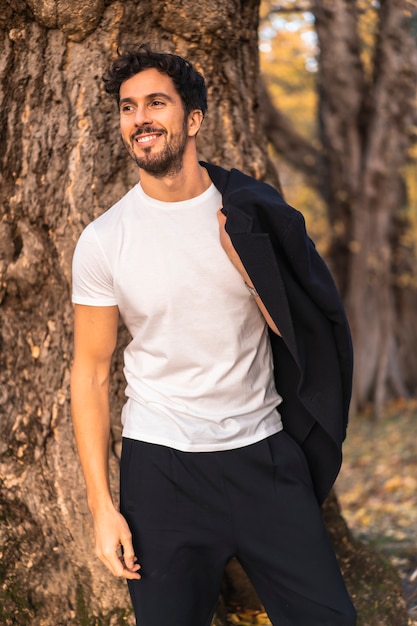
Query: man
point(217, 400)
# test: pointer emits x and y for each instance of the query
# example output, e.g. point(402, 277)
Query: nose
point(142, 116)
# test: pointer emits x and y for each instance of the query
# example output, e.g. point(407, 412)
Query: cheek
point(126, 128)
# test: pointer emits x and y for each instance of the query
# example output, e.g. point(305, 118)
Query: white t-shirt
point(199, 365)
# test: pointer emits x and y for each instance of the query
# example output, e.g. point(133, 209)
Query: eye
point(157, 103)
point(126, 108)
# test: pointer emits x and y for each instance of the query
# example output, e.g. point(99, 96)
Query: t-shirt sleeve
point(92, 281)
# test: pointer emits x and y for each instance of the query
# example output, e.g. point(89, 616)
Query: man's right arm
point(95, 335)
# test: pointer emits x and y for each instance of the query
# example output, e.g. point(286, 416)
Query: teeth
point(146, 139)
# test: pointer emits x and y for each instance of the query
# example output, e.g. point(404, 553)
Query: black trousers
point(190, 513)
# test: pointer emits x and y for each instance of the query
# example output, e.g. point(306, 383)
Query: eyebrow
point(150, 96)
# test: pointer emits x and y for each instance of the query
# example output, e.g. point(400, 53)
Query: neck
point(191, 181)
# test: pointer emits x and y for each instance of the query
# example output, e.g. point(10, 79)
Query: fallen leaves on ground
point(248, 618)
point(377, 488)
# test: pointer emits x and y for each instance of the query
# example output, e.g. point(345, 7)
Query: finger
point(131, 574)
point(128, 554)
point(132, 566)
point(117, 566)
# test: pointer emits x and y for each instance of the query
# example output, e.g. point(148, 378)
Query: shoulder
point(256, 199)
point(99, 239)
point(120, 211)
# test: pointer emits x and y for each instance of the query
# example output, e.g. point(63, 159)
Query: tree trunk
point(366, 126)
point(366, 118)
point(62, 164)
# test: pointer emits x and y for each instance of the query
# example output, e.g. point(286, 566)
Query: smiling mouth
point(145, 136)
point(142, 139)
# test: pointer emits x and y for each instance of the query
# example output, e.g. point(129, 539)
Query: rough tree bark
point(62, 164)
point(366, 126)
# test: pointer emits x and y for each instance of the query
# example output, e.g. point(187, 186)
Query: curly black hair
point(131, 60)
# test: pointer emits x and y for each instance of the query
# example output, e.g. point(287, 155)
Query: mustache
point(143, 130)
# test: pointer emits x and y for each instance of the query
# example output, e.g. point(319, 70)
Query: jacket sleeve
point(313, 275)
point(311, 270)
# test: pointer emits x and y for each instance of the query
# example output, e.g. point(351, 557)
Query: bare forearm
point(91, 421)
point(95, 333)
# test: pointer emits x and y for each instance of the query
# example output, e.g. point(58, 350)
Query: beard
point(166, 162)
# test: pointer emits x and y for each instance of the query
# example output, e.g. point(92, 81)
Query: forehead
point(146, 83)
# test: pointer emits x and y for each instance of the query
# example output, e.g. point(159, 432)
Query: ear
point(195, 119)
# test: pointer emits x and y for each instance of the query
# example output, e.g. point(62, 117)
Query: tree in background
point(62, 164)
point(366, 120)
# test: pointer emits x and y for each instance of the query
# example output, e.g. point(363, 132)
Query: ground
point(377, 489)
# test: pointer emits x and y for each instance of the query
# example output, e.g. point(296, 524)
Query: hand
point(113, 544)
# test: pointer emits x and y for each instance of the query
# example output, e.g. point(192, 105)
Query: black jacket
point(313, 360)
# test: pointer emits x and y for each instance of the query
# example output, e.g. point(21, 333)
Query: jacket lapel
point(257, 255)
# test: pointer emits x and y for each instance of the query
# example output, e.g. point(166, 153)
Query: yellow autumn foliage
point(288, 64)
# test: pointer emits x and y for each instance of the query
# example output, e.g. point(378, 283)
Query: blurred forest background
point(377, 487)
point(317, 97)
